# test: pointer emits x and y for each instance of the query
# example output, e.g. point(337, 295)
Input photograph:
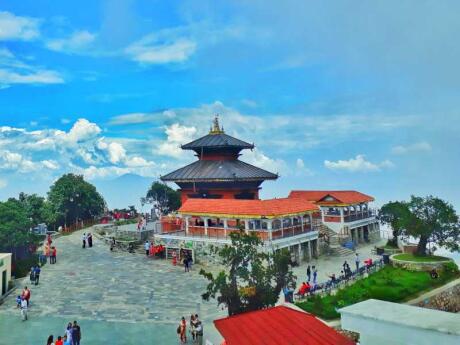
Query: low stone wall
point(448, 300)
point(418, 266)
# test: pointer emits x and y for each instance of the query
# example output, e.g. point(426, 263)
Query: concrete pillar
point(269, 229)
point(300, 252)
point(309, 246)
point(342, 220)
point(205, 226)
point(301, 223)
point(186, 225)
point(225, 227)
point(246, 226)
point(282, 228)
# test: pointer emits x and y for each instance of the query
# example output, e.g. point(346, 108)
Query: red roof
point(257, 208)
point(340, 196)
point(276, 326)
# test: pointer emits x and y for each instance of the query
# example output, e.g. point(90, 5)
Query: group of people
point(22, 302)
point(34, 274)
point(72, 336)
point(196, 330)
point(49, 251)
point(152, 250)
point(87, 238)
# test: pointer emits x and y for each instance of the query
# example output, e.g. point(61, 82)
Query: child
point(18, 302)
point(59, 341)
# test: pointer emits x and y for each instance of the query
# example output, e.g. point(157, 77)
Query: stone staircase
point(335, 241)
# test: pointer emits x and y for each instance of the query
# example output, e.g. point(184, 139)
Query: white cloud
point(422, 146)
point(50, 164)
point(129, 119)
point(82, 130)
point(176, 135)
point(77, 41)
point(161, 48)
point(15, 71)
point(357, 164)
point(299, 163)
point(259, 159)
point(3, 183)
point(14, 27)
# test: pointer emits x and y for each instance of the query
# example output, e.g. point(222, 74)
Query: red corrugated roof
point(267, 208)
point(342, 196)
point(277, 326)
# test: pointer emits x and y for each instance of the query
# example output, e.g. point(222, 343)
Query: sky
point(334, 94)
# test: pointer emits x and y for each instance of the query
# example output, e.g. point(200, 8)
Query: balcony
point(359, 216)
point(221, 233)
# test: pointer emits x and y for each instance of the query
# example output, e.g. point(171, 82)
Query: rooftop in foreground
point(278, 325)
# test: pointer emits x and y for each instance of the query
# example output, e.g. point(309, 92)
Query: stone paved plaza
point(109, 293)
point(120, 296)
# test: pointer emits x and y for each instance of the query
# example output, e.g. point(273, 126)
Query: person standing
point(147, 248)
point(46, 251)
point(183, 330)
point(90, 240)
point(32, 275)
point(50, 340)
point(24, 308)
point(308, 273)
point(59, 341)
point(199, 332)
point(76, 334)
point(37, 274)
point(315, 275)
point(68, 332)
point(357, 261)
point(26, 294)
point(83, 238)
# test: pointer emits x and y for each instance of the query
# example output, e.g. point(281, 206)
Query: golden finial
point(215, 128)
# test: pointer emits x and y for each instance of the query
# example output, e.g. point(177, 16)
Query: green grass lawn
point(411, 257)
point(389, 284)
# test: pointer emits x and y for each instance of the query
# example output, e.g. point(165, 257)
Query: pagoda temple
point(218, 173)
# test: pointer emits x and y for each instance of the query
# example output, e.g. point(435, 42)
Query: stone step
point(340, 251)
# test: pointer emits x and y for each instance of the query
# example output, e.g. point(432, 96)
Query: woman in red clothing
point(183, 330)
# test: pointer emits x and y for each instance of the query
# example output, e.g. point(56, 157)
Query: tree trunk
point(421, 246)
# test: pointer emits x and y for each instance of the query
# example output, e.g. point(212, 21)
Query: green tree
point(14, 226)
point(253, 280)
point(394, 214)
point(34, 206)
point(163, 197)
point(72, 198)
point(429, 219)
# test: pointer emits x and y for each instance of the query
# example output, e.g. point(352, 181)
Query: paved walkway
point(94, 285)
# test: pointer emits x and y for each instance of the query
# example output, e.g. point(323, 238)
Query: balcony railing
point(359, 216)
point(264, 234)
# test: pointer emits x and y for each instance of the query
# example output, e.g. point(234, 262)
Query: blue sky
point(335, 95)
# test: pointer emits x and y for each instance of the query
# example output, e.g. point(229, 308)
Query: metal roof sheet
point(221, 170)
point(219, 140)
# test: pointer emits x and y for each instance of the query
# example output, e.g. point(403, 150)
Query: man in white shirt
point(23, 309)
point(357, 262)
point(147, 248)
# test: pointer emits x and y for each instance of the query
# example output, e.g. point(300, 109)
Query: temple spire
point(215, 129)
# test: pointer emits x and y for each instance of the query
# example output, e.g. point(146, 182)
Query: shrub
point(451, 268)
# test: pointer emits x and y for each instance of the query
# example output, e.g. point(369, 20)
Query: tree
point(393, 214)
point(34, 206)
point(253, 280)
point(163, 197)
point(429, 219)
point(14, 226)
point(72, 198)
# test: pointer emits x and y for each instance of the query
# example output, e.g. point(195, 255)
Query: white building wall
point(5, 266)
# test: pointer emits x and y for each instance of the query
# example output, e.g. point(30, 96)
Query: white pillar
point(225, 226)
point(246, 226)
point(300, 252)
point(282, 227)
point(301, 223)
point(269, 229)
point(186, 225)
point(342, 220)
point(309, 251)
point(205, 226)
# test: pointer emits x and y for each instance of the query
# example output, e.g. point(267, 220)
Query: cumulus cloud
point(176, 135)
point(14, 27)
point(422, 146)
point(357, 164)
point(77, 41)
point(259, 159)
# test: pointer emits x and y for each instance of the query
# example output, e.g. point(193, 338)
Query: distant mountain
point(124, 190)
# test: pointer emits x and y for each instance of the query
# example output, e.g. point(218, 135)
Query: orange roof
point(247, 208)
point(278, 325)
point(340, 196)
